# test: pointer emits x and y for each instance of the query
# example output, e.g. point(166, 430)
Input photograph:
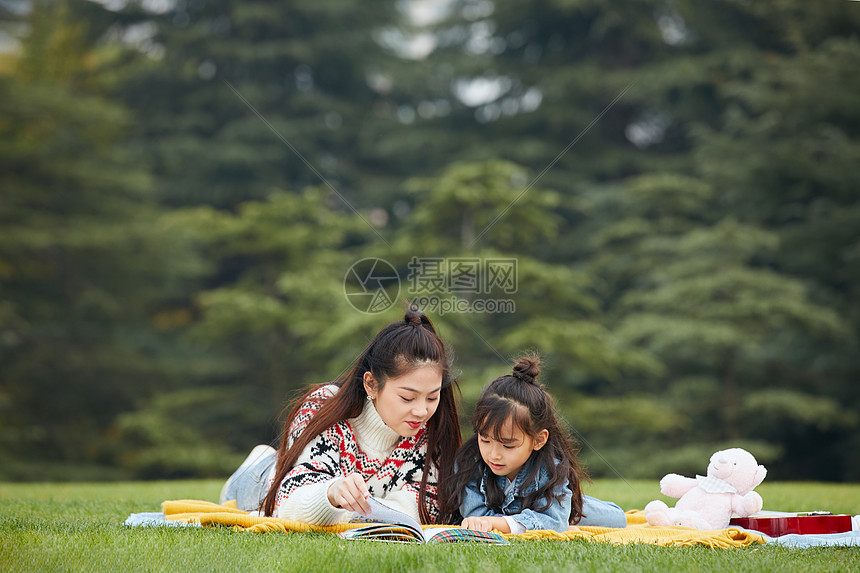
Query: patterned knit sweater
point(392, 466)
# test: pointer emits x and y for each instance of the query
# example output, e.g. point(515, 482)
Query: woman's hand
point(349, 493)
point(486, 524)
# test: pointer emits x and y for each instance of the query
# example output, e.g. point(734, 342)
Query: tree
point(698, 290)
point(682, 238)
point(277, 313)
point(455, 238)
point(238, 98)
point(751, 106)
point(84, 270)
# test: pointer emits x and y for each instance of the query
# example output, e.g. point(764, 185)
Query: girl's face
point(505, 457)
point(406, 402)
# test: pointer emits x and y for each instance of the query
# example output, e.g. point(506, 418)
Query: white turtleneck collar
point(373, 436)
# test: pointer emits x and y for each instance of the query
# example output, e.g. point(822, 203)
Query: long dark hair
point(396, 350)
point(521, 398)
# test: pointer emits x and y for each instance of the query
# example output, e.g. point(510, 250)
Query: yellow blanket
point(637, 531)
point(208, 513)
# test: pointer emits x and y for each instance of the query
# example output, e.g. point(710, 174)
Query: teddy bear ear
point(760, 474)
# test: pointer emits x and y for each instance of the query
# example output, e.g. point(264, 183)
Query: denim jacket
point(474, 502)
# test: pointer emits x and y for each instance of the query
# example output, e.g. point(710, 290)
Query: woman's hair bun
point(527, 369)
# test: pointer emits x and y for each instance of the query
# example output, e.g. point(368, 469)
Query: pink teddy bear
point(710, 502)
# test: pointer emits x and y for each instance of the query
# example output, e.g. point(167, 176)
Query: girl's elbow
point(561, 524)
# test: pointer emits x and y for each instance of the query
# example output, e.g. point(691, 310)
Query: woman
point(387, 428)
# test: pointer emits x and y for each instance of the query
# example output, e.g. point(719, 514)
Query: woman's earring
point(369, 397)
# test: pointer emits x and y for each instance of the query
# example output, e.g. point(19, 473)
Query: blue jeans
point(601, 513)
point(250, 483)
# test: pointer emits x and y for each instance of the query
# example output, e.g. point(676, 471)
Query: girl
point(387, 428)
point(520, 471)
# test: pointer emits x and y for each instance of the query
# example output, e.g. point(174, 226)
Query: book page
point(381, 513)
point(384, 532)
point(454, 534)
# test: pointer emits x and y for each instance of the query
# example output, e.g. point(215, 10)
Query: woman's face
point(406, 402)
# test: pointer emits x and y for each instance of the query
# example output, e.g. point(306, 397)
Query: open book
point(387, 524)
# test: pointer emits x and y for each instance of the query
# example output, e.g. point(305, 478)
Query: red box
point(803, 524)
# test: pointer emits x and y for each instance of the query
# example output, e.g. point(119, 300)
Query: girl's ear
point(540, 439)
point(369, 384)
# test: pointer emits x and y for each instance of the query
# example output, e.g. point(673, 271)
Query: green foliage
point(486, 202)
point(633, 414)
point(176, 435)
point(583, 347)
point(689, 459)
point(186, 185)
point(81, 259)
point(698, 290)
point(795, 407)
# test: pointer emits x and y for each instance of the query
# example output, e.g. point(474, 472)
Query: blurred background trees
point(185, 184)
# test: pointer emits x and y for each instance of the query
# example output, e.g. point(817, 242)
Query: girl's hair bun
point(527, 369)
point(414, 316)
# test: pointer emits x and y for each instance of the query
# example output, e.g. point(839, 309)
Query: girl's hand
point(486, 524)
point(349, 493)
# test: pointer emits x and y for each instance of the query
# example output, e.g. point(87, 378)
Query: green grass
point(78, 527)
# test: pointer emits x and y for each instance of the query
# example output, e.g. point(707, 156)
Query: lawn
point(78, 527)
